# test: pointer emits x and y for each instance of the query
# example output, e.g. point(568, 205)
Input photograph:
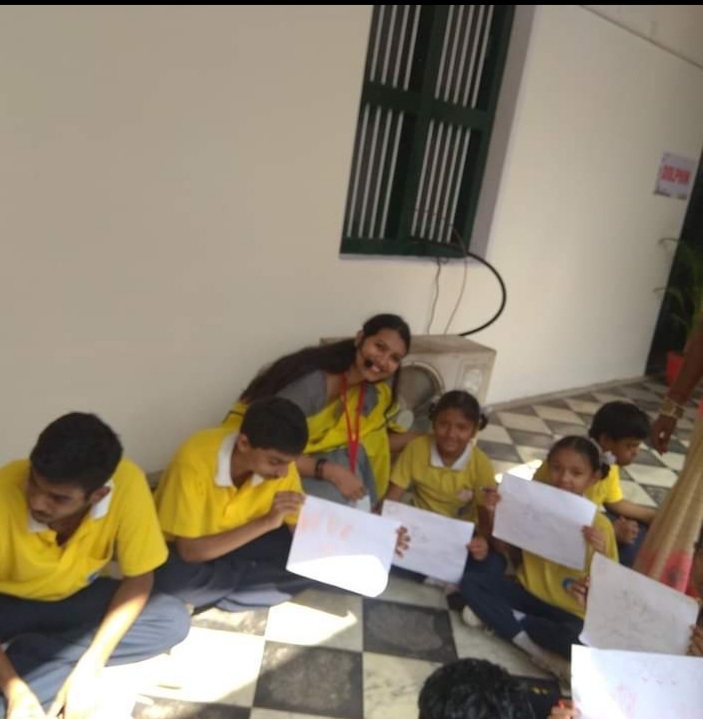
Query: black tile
point(586, 398)
point(658, 494)
point(526, 409)
point(531, 439)
point(649, 405)
point(403, 630)
point(251, 622)
point(683, 433)
point(499, 451)
point(557, 403)
point(492, 416)
point(564, 428)
point(644, 456)
point(173, 709)
point(638, 394)
point(654, 384)
point(676, 446)
point(310, 680)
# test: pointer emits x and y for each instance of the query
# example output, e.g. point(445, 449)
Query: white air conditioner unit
point(437, 364)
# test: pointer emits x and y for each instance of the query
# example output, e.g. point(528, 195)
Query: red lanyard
point(353, 434)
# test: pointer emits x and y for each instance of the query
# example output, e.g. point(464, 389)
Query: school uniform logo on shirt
point(465, 495)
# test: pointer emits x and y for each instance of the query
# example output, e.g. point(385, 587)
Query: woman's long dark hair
point(335, 359)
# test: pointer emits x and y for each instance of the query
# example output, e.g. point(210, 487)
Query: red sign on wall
point(675, 177)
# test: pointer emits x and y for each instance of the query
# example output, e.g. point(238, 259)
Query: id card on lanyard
point(353, 428)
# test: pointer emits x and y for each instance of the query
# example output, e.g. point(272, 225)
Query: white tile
point(407, 591)
point(318, 618)
point(494, 433)
point(673, 460)
point(213, 666)
point(273, 714)
point(117, 689)
point(656, 476)
point(520, 469)
point(532, 456)
point(524, 422)
point(557, 415)
point(579, 405)
point(478, 643)
point(392, 685)
point(634, 493)
point(604, 397)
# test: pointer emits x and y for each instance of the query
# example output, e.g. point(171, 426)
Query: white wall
point(172, 187)
point(678, 28)
point(577, 223)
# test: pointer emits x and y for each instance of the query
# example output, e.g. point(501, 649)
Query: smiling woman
point(347, 391)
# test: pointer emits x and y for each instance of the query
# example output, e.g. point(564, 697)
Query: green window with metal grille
point(430, 90)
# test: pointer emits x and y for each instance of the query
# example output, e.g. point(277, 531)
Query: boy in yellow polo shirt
point(65, 513)
point(227, 504)
point(619, 428)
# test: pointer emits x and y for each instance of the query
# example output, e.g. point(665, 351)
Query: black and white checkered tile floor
point(331, 654)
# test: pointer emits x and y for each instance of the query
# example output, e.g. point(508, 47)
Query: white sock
point(543, 657)
point(519, 616)
point(527, 645)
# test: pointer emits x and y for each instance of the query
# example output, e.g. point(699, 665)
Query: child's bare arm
point(596, 538)
point(631, 510)
point(394, 493)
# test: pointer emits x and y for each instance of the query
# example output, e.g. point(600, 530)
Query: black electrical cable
point(503, 300)
point(465, 254)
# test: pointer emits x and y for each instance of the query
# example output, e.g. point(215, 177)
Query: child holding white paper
point(543, 611)
point(619, 428)
point(445, 473)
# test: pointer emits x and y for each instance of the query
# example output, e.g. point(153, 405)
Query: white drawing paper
point(609, 684)
point(342, 546)
point(437, 545)
point(629, 611)
point(544, 520)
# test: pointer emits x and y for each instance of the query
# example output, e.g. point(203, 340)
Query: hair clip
point(609, 458)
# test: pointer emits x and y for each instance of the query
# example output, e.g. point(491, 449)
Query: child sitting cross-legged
point(542, 610)
point(446, 474)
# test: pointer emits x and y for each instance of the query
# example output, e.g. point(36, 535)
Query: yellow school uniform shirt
point(452, 491)
point(603, 491)
point(545, 579)
point(196, 497)
point(121, 526)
